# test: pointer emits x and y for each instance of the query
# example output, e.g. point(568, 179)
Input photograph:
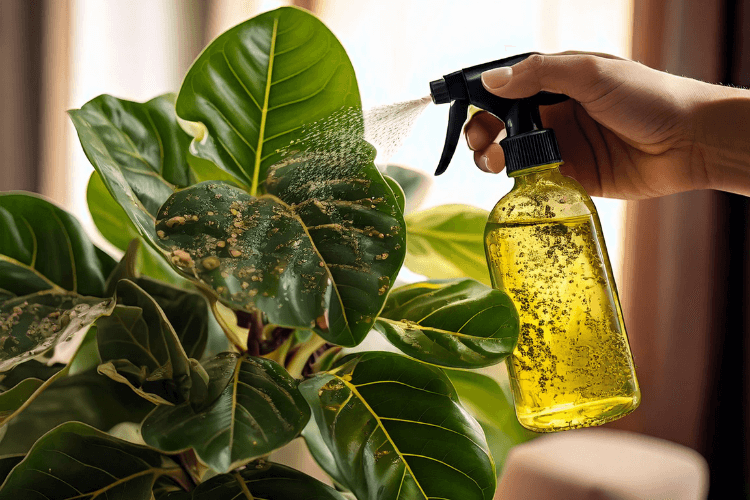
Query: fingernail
point(476, 137)
point(494, 79)
point(485, 161)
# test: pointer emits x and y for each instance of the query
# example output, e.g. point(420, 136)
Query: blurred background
point(681, 261)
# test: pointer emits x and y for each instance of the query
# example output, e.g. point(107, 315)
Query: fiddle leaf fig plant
point(261, 246)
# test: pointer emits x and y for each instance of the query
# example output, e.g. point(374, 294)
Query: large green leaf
point(318, 254)
point(12, 399)
point(27, 381)
point(256, 85)
point(15, 399)
point(258, 410)
point(33, 324)
point(261, 480)
point(484, 398)
point(187, 313)
point(75, 461)
point(447, 242)
point(140, 348)
point(86, 397)
point(320, 452)
point(139, 151)
point(396, 430)
point(109, 217)
point(115, 225)
point(456, 323)
point(43, 247)
point(32, 369)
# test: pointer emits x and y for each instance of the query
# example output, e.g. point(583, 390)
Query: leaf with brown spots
point(257, 409)
point(319, 251)
point(33, 324)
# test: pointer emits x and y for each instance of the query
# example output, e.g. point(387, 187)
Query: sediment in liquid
point(572, 366)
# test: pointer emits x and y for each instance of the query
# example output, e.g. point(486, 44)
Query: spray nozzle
point(527, 144)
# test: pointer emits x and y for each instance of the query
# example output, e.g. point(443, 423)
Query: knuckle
point(592, 66)
point(535, 62)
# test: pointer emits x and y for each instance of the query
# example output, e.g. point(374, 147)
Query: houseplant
point(260, 245)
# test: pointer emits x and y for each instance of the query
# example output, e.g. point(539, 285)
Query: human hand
point(628, 131)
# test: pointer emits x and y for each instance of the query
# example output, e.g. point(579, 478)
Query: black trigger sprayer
point(527, 143)
point(572, 366)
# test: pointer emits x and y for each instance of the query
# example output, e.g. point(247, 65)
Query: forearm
point(722, 124)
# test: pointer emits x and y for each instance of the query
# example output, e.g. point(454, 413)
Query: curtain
point(20, 57)
point(685, 292)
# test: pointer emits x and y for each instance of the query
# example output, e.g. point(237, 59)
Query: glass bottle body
point(572, 366)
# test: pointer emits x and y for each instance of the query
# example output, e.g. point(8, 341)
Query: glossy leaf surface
point(320, 251)
point(256, 85)
point(109, 217)
point(43, 247)
point(32, 369)
point(186, 311)
point(262, 480)
point(139, 347)
point(138, 149)
point(75, 461)
point(320, 452)
point(86, 397)
point(456, 323)
point(396, 430)
point(27, 381)
point(484, 398)
point(13, 400)
point(258, 410)
point(447, 242)
point(33, 324)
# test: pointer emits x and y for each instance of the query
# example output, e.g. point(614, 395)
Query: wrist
point(721, 142)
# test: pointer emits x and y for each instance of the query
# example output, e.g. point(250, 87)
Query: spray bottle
point(572, 366)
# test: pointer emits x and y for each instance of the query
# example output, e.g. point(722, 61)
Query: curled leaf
point(139, 347)
point(33, 324)
point(455, 323)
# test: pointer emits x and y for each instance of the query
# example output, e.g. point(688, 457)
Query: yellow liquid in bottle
point(572, 366)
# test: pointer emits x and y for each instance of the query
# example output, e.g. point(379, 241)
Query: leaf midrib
point(354, 390)
point(264, 111)
point(399, 324)
point(54, 287)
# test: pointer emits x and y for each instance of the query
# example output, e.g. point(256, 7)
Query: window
point(139, 49)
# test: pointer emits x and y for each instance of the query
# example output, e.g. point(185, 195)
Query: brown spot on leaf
point(210, 263)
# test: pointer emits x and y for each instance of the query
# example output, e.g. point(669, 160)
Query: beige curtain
point(686, 257)
point(20, 80)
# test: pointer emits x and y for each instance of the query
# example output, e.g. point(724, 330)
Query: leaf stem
point(279, 355)
point(189, 464)
point(302, 354)
point(232, 331)
point(243, 486)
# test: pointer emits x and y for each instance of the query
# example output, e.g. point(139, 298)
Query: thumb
point(583, 77)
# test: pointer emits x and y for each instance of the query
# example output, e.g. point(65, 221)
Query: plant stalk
point(232, 331)
point(300, 357)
